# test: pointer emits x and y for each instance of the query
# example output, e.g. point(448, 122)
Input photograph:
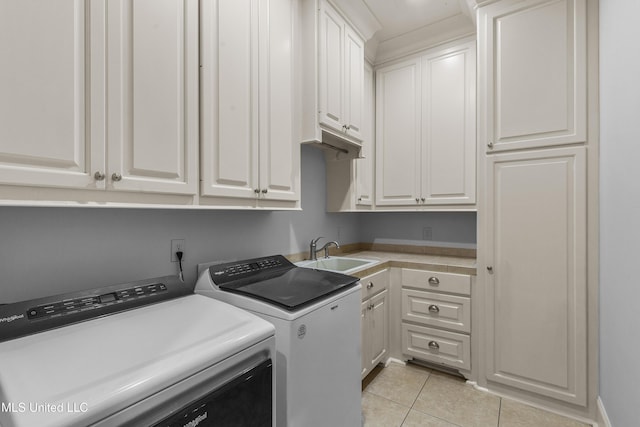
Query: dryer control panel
point(33, 316)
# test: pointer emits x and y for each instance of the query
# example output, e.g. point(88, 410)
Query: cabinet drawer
point(433, 345)
point(436, 281)
point(374, 283)
point(439, 310)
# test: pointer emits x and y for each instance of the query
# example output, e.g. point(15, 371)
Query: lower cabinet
point(375, 320)
point(436, 318)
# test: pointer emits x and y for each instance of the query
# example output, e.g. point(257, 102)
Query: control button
point(107, 298)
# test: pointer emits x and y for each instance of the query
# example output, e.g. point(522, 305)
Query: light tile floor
point(412, 396)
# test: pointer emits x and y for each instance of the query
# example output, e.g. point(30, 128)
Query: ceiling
point(399, 27)
point(399, 17)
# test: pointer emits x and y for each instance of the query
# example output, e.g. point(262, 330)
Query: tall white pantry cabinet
point(537, 137)
point(97, 98)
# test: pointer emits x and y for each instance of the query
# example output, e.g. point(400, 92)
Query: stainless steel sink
point(339, 264)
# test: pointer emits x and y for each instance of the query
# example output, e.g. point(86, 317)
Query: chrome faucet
point(313, 252)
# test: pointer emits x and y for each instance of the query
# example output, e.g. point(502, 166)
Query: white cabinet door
point(153, 95)
point(536, 278)
point(398, 141)
point(375, 320)
point(248, 148)
point(365, 342)
point(448, 126)
point(331, 73)
point(354, 84)
point(229, 163)
point(365, 165)
point(52, 93)
point(379, 328)
point(375, 331)
point(279, 158)
point(534, 86)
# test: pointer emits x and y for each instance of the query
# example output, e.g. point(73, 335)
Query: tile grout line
point(425, 413)
point(499, 411)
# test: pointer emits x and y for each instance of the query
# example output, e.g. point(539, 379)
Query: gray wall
point(619, 210)
point(52, 250)
point(45, 251)
point(447, 228)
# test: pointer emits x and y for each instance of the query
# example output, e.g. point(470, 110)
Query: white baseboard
point(394, 360)
point(601, 417)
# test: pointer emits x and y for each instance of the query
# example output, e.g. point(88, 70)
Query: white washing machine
point(317, 319)
point(147, 353)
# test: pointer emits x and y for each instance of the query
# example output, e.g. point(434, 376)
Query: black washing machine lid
point(277, 281)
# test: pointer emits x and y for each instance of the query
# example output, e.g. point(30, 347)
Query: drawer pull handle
point(434, 308)
point(434, 281)
point(434, 345)
point(370, 285)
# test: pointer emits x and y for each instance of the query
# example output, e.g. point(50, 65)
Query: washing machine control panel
point(231, 271)
point(33, 316)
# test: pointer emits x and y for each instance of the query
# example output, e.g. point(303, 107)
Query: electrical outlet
point(177, 245)
point(427, 234)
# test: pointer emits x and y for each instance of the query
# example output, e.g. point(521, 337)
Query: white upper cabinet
point(365, 164)
point(333, 77)
point(247, 75)
point(96, 98)
point(47, 134)
point(152, 81)
point(533, 80)
point(425, 129)
point(354, 79)
point(332, 66)
point(398, 144)
point(449, 126)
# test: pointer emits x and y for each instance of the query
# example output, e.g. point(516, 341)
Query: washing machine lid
point(277, 281)
point(78, 374)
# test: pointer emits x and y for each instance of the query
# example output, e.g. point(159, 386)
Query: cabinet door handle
point(434, 281)
point(417, 200)
point(434, 345)
point(116, 177)
point(490, 269)
point(256, 190)
point(434, 308)
point(370, 285)
point(490, 145)
point(99, 176)
point(423, 199)
point(265, 190)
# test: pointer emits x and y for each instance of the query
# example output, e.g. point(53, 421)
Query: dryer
point(146, 353)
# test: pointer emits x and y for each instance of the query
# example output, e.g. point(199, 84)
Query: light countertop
point(449, 264)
